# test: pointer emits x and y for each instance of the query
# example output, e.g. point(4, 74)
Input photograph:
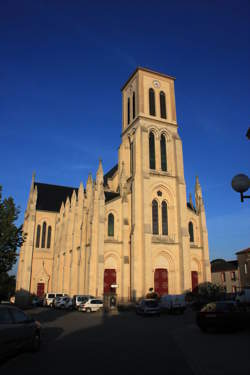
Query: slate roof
point(109, 174)
point(109, 195)
point(219, 265)
point(50, 197)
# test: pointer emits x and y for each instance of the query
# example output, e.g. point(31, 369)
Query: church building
point(130, 229)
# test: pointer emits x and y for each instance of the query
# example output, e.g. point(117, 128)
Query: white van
point(49, 298)
point(173, 303)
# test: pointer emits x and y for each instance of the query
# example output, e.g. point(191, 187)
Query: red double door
point(161, 281)
point(40, 290)
point(109, 279)
point(194, 277)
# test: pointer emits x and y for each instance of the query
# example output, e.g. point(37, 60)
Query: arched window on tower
point(133, 104)
point(111, 225)
point(155, 226)
point(38, 233)
point(43, 234)
point(164, 216)
point(163, 105)
point(49, 237)
point(151, 102)
point(163, 153)
point(191, 231)
point(128, 110)
point(151, 150)
point(131, 158)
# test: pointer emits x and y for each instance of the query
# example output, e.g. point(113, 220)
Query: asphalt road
point(95, 343)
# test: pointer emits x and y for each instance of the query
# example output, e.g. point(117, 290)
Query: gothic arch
point(196, 265)
point(163, 259)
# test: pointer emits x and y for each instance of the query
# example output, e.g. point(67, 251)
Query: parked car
point(18, 331)
point(221, 315)
point(64, 303)
point(37, 301)
point(243, 297)
point(91, 305)
point(77, 300)
point(49, 298)
point(148, 307)
point(173, 303)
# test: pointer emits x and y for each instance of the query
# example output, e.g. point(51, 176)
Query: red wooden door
point(40, 290)
point(161, 281)
point(109, 279)
point(194, 276)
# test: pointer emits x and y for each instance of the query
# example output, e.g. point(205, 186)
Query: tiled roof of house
point(50, 197)
point(219, 265)
point(245, 251)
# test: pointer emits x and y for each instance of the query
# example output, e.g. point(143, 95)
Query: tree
point(11, 236)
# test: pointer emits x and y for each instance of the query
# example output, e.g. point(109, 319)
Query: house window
point(38, 232)
point(151, 150)
point(234, 289)
point(43, 234)
point(133, 104)
point(111, 225)
point(151, 102)
point(163, 153)
point(233, 276)
point(49, 237)
point(164, 215)
point(155, 217)
point(245, 268)
point(191, 231)
point(223, 277)
point(128, 110)
point(163, 105)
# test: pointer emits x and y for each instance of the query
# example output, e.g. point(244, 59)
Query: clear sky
point(62, 64)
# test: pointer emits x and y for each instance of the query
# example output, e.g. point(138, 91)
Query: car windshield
point(51, 295)
point(151, 303)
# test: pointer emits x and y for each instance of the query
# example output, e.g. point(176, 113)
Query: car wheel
point(35, 345)
point(88, 310)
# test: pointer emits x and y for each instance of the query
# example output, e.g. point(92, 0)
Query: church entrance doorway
point(109, 279)
point(40, 290)
point(194, 276)
point(161, 281)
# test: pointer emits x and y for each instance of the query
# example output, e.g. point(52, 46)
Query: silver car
point(148, 307)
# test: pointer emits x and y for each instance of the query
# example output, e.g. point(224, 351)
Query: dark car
point(18, 331)
point(220, 316)
point(148, 307)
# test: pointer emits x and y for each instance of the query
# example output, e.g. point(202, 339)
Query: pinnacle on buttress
point(99, 173)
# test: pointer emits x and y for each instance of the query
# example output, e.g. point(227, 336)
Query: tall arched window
point(164, 215)
point(163, 153)
point(43, 234)
point(128, 110)
point(49, 237)
point(151, 150)
point(133, 104)
point(163, 105)
point(155, 225)
point(111, 225)
point(38, 232)
point(131, 158)
point(191, 231)
point(151, 102)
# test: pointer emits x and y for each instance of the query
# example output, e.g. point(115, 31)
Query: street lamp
point(241, 183)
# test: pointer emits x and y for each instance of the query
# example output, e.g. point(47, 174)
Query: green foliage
point(11, 236)
point(7, 286)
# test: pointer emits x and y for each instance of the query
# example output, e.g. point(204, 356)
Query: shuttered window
point(163, 153)
point(155, 225)
point(164, 215)
point(151, 102)
point(151, 151)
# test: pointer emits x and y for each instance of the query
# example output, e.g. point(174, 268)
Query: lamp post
point(241, 183)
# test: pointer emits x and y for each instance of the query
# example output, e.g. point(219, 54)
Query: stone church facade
point(131, 227)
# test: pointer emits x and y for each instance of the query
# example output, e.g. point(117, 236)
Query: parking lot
point(126, 343)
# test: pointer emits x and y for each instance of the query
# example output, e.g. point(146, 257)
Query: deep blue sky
point(62, 64)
